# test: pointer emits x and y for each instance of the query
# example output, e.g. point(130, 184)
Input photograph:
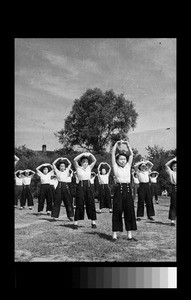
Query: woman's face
point(84, 163)
point(103, 171)
point(62, 167)
point(174, 167)
point(122, 160)
point(143, 168)
point(45, 170)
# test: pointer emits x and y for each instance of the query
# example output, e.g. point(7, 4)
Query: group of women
point(122, 206)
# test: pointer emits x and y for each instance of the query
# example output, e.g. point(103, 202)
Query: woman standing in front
point(123, 200)
point(84, 193)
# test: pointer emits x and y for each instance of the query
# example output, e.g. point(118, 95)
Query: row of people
point(122, 200)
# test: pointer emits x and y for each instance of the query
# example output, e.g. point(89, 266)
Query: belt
point(83, 182)
point(123, 185)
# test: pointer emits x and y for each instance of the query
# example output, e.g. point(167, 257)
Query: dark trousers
point(52, 193)
point(172, 209)
point(18, 193)
point(135, 189)
point(104, 196)
point(62, 193)
point(123, 202)
point(84, 196)
point(44, 194)
point(154, 190)
point(145, 196)
point(26, 195)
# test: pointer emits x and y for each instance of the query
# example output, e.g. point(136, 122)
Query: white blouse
point(18, 181)
point(45, 178)
point(104, 179)
point(143, 176)
point(136, 180)
point(172, 175)
point(84, 174)
point(26, 180)
point(122, 174)
point(62, 176)
point(153, 179)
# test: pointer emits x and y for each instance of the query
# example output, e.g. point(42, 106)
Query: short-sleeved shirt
point(172, 175)
point(45, 178)
point(136, 180)
point(153, 179)
point(122, 174)
point(62, 176)
point(84, 174)
point(26, 180)
point(143, 177)
point(104, 178)
point(18, 181)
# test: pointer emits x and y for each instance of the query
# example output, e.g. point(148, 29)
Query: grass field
point(38, 239)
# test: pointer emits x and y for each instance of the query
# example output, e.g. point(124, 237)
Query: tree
point(97, 119)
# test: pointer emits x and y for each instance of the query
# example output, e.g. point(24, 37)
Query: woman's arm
point(38, 171)
point(131, 152)
point(98, 169)
point(149, 164)
point(167, 165)
point(113, 153)
point(76, 159)
point(93, 160)
point(16, 159)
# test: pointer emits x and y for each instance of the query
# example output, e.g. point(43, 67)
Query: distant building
point(45, 152)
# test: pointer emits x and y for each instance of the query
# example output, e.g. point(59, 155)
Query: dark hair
point(18, 173)
point(62, 161)
point(84, 157)
point(123, 153)
point(104, 166)
point(139, 167)
point(172, 163)
point(48, 167)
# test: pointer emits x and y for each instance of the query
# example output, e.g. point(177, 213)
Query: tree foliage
point(97, 119)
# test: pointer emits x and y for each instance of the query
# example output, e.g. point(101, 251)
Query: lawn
point(38, 239)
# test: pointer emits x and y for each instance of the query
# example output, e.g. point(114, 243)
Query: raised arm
point(93, 162)
point(16, 160)
point(131, 152)
point(98, 169)
point(76, 159)
point(113, 153)
point(149, 164)
point(31, 172)
point(167, 165)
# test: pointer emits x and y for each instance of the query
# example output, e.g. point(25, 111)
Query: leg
point(80, 200)
point(29, 197)
point(117, 223)
point(68, 203)
point(172, 209)
point(141, 200)
point(48, 199)
point(56, 206)
point(129, 211)
point(23, 197)
point(90, 204)
point(41, 199)
point(149, 202)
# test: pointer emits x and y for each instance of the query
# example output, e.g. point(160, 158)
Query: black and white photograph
point(95, 150)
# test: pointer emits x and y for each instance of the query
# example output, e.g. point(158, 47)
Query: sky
point(51, 73)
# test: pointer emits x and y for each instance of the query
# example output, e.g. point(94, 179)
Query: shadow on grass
point(71, 226)
point(159, 223)
point(50, 219)
point(101, 235)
